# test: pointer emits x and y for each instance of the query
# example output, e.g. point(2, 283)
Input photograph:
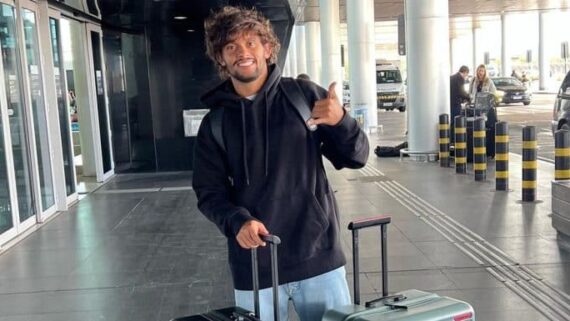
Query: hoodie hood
point(252, 114)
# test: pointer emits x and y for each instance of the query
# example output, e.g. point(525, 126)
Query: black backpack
point(293, 93)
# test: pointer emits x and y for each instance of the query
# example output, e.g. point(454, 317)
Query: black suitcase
point(236, 313)
point(482, 107)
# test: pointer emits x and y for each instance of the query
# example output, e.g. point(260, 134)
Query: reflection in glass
point(5, 207)
point(38, 108)
point(62, 107)
point(77, 4)
point(18, 133)
point(92, 7)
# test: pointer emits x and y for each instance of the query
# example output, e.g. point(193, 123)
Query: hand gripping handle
point(273, 241)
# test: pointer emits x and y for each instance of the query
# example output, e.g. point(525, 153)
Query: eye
point(230, 47)
point(251, 43)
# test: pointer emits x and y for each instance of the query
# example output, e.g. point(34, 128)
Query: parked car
point(511, 90)
point(561, 112)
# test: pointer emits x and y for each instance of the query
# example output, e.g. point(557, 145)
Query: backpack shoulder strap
point(296, 97)
point(216, 116)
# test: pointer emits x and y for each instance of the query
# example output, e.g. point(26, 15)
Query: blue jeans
point(311, 297)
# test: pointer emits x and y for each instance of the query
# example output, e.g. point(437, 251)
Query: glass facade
point(63, 113)
point(16, 111)
point(38, 108)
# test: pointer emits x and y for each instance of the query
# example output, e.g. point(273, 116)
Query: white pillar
point(313, 49)
point(451, 61)
point(361, 54)
point(541, 54)
point(475, 61)
point(301, 52)
point(293, 54)
point(428, 83)
point(505, 61)
point(330, 43)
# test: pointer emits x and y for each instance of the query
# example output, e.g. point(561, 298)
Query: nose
point(240, 49)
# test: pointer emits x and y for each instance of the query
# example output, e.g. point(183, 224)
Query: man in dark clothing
point(457, 95)
point(271, 178)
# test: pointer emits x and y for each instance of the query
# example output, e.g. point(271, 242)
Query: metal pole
point(444, 140)
point(479, 149)
point(502, 156)
point(356, 267)
point(562, 155)
point(384, 253)
point(460, 145)
point(529, 164)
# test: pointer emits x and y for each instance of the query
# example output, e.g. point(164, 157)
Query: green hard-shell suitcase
point(409, 305)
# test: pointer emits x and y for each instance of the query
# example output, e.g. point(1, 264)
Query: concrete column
point(330, 43)
point(475, 60)
point(361, 54)
point(543, 73)
point(313, 49)
point(292, 54)
point(428, 83)
point(451, 61)
point(505, 60)
point(301, 52)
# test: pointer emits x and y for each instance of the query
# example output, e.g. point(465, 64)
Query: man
point(457, 95)
point(271, 179)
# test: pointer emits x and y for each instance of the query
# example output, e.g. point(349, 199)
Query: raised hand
point(327, 111)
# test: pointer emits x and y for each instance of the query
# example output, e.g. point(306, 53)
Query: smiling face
point(245, 58)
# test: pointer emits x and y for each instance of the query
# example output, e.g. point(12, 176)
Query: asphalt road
point(538, 113)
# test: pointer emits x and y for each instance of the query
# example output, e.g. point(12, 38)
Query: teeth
point(245, 63)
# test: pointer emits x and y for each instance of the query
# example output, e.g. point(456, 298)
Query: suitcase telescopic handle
point(273, 241)
point(355, 226)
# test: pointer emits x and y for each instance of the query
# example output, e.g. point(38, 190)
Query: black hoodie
point(273, 172)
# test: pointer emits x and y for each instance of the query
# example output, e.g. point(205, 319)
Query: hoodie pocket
point(301, 223)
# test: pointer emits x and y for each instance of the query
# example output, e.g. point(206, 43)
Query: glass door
point(62, 105)
point(7, 199)
point(37, 103)
point(16, 113)
point(96, 55)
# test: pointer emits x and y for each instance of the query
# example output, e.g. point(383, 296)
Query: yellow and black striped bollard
point(479, 149)
point(562, 155)
point(502, 156)
point(460, 145)
point(529, 164)
point(444, 140)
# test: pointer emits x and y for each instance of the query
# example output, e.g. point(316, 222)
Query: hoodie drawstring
point(244, 149)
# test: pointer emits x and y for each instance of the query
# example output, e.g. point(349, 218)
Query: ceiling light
point(180, 18)
point(190, 30)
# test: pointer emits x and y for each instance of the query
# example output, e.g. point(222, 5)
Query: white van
point(390, 89)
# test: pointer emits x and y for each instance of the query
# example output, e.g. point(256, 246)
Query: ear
point(268, 50)
point(221, 61)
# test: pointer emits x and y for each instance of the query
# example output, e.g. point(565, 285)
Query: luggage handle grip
point(273, 241)
point(368, 222)
point(355, 226)
point(390, 300)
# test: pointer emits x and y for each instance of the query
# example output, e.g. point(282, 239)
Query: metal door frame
point(13, 231)
point(101, 176)
point(34, 7)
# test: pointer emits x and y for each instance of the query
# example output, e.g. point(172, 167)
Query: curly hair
point(229, 23)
